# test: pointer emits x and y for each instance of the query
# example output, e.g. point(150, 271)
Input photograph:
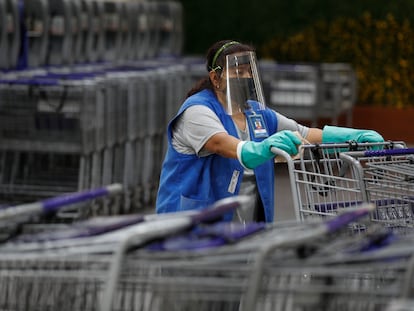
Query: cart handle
point(348, 217)
point(388, 152)
point(52, 205)
point(217, 210)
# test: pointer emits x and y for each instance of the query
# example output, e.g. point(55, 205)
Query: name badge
point(258, 125)
point(233, 181)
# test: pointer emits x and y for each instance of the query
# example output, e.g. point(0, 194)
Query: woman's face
point(233, 71)
point(234, 83)
point(240, 71)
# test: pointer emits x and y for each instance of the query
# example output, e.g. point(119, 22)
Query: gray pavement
point(284, 208)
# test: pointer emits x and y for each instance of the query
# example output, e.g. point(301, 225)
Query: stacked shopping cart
point(310, 91)
point(86, 90)
point(64, 131)
point(328, 178)
point(387, 178)
point(37, 33)
point(192, 260)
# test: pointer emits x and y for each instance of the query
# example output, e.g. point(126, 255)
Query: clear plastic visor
point(244, 87)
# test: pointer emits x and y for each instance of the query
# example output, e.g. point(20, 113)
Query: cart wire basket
point(387, 178)
point(323, 182)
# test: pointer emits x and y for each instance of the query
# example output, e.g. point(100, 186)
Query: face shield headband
point(217, 54)
point(244, 88)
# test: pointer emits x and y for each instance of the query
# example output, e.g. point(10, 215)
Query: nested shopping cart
point(78, 267)
point(295, 266)
point(328, 178)
point(49, 133)
point(387, 179)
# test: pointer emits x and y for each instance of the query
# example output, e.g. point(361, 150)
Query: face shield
point(244, 87)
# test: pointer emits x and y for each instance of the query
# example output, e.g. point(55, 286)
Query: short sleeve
point(285, 123)
point(196, 125)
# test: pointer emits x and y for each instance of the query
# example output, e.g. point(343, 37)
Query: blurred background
point(374, 37)
point(87, 86)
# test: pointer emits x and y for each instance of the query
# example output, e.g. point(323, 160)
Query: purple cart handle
point(342, 220)
point(54, 204)
point(388, 152)
point(219, 209)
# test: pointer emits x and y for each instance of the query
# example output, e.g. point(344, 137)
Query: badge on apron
point(258, 125)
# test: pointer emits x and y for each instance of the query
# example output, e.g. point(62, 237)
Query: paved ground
point(284, 209)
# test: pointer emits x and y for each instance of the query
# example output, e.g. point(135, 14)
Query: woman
point(219, 142)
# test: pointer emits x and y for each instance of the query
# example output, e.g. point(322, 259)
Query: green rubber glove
point(335, 134)
point(251, 154)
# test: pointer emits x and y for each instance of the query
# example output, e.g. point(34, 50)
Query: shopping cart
point(293, 90)
point(309, 265)
point(387, 178)
point(78, 268)
point(65, 208)
point(270, 270)
point(292, 266)
point(50, 133)
point(322, 183)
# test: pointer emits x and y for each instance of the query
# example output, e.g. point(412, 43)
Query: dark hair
point(217, 53)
